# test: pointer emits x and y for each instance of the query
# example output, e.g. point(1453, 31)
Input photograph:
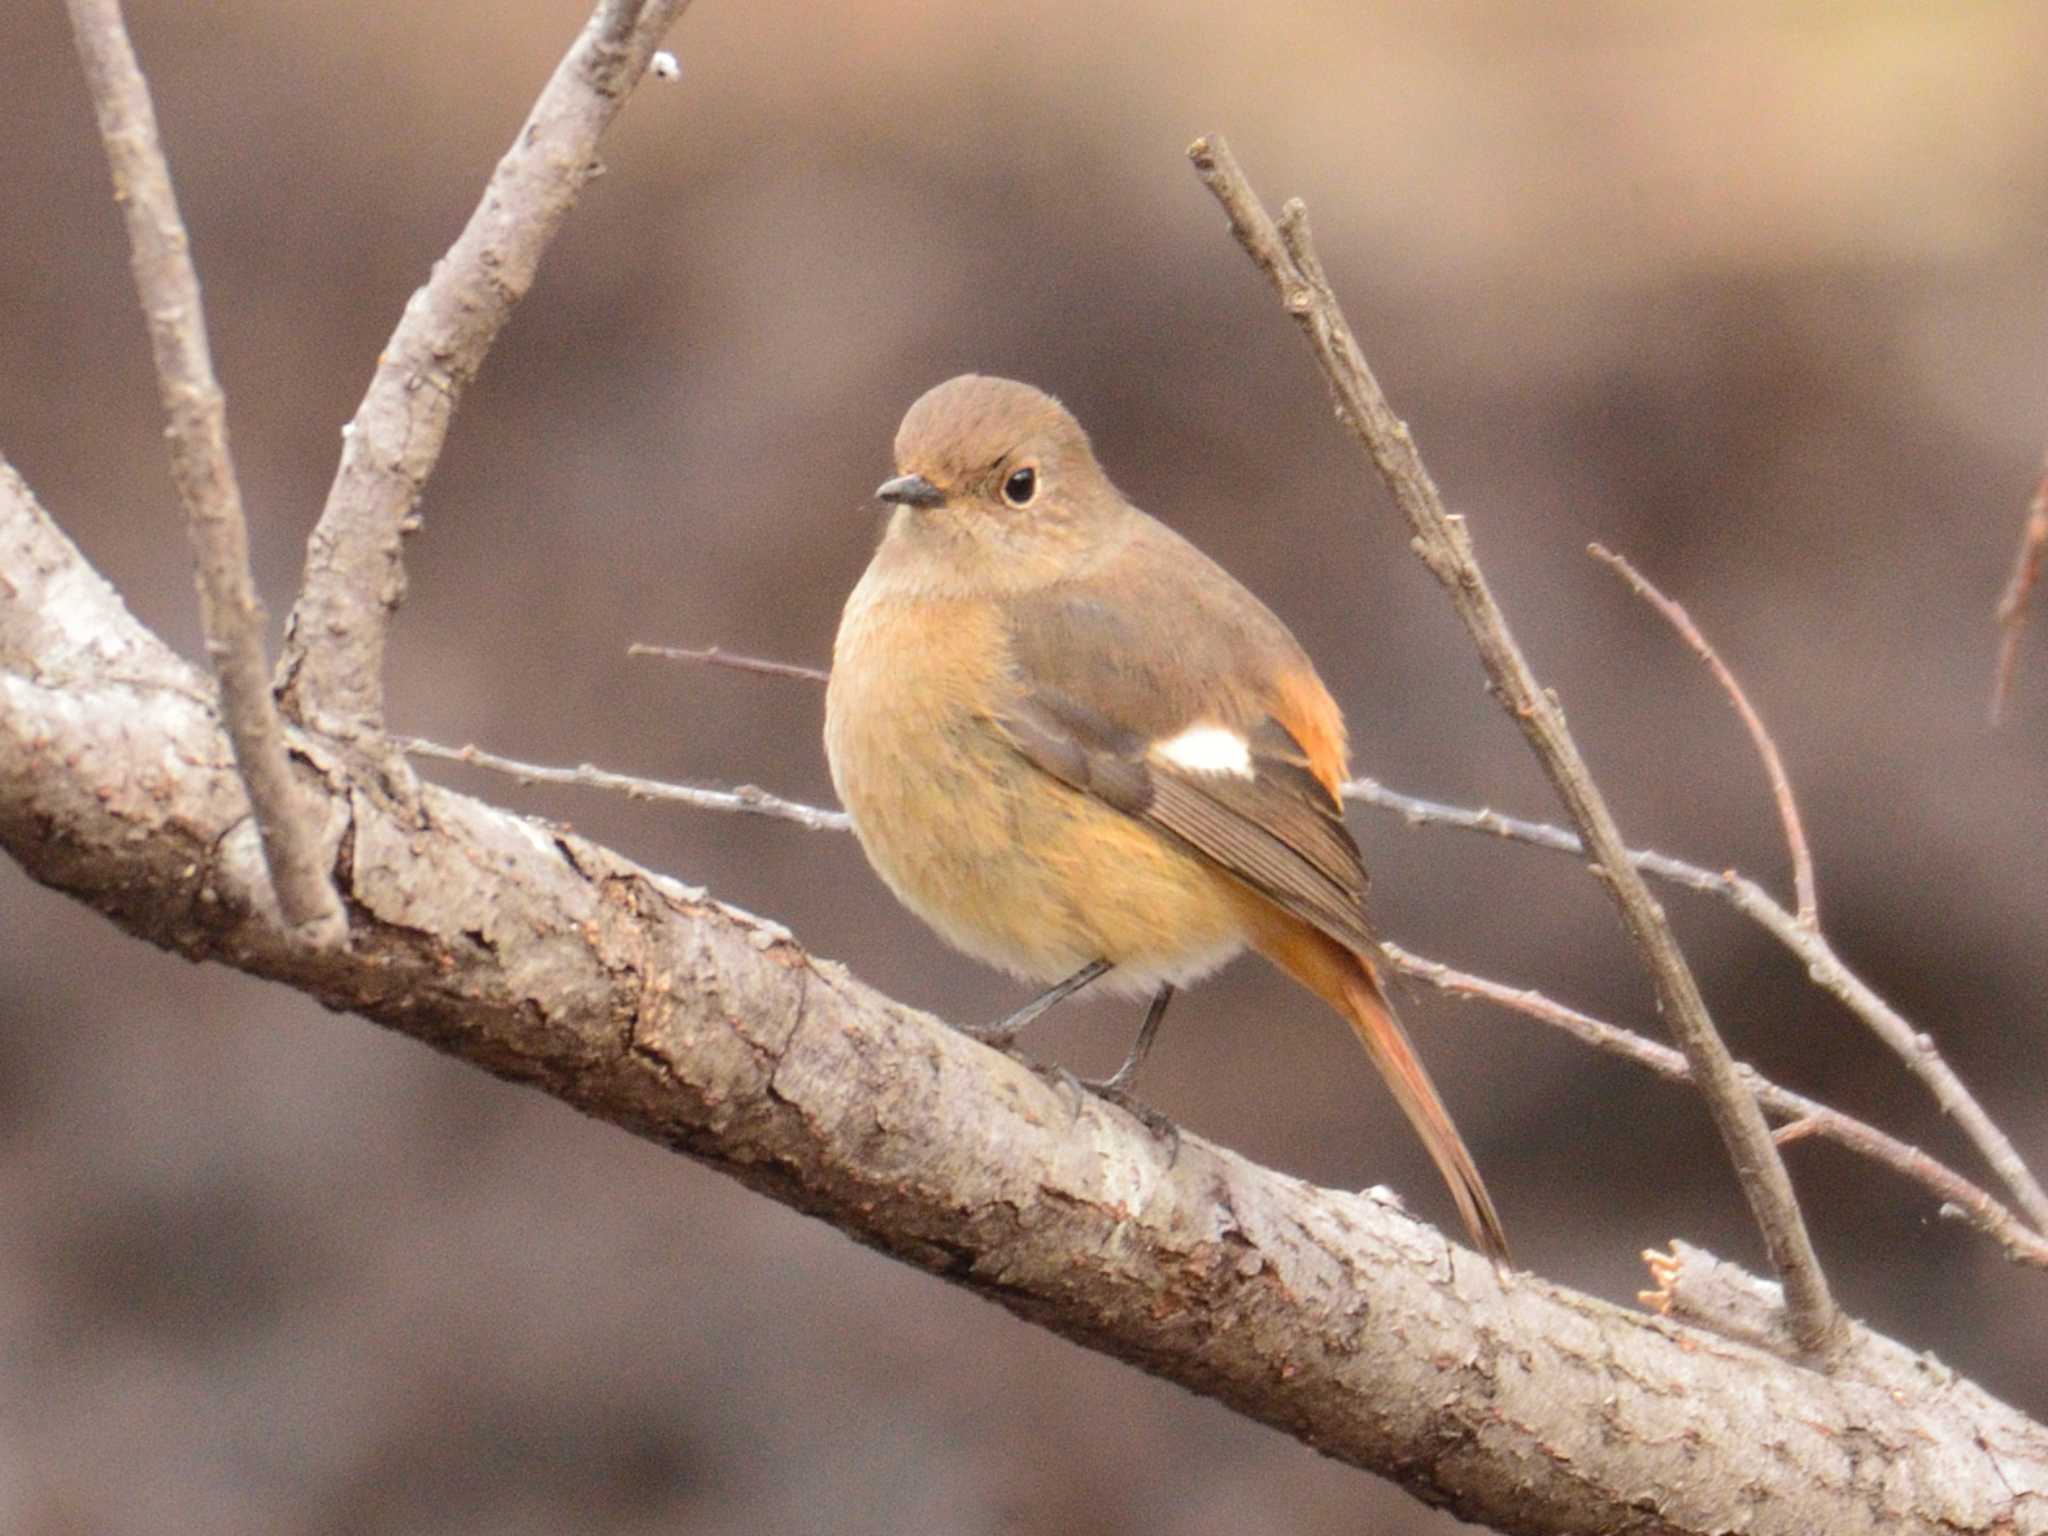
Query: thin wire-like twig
point(745, 798)
point(1285, 253)
point(1810, 946)
point(231, 614)
point(333, 664)
point(1914, 1048)
point(1799, 933)
point(1675, 615)
point(1803, 1116)
point(715, 656)
point(1980, 1209)
point(2011, 614)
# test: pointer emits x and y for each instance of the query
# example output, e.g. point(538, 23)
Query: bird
point(1080, 750)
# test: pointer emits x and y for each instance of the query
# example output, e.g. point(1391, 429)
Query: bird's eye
point(1021, 486)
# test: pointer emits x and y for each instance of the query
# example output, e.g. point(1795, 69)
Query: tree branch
point(332, 670)
point(1802, 1116)
point(2011, 613)
point(553, 962)
point(1674, 614)
point(745, 797)
point(1916, 1050)
point(230, 613)
point(1286, 255)
point(715, 656)
point(1810, 946)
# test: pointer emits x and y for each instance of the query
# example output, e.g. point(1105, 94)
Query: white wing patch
point(1208, 749)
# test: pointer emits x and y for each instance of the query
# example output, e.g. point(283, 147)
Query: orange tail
point(1348, 984)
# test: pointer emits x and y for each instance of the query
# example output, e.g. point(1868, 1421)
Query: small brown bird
point(1077, 747)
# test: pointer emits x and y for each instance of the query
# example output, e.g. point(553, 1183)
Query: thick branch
point(1287, 257)
point(333, 661)
point(230, 613)
point(552, 962)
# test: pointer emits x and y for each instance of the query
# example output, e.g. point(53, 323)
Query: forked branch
point(1916, 1050)
point(333, 665)
point(1286, 254)
point(1798, 1115)
point(231, 615)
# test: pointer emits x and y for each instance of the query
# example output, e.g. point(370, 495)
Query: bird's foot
point(1112, 1090)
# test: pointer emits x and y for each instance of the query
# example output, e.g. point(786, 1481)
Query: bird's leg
point(1000, 1035)
point(1117, 1085)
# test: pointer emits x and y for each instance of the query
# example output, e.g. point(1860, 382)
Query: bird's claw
point(1111, 1089)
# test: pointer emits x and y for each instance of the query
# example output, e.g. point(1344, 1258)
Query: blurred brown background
point(1759, 297)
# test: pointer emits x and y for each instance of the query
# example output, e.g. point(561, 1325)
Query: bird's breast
point(1006, 862)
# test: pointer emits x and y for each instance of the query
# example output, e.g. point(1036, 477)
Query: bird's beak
point(910, 491)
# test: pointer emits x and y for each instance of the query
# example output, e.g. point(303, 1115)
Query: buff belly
point(1007, 863)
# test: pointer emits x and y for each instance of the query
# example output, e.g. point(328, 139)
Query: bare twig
point(230, 612)
point(1799, 933)
point(1822, 965)
point(2011, 614)
point(746, 798)
point(333, 661)
point(1803, 1116)
point(713, 656)
point(1915, 1049)
point(1969, 1202)
point(1774, 766)
point(1287, 256)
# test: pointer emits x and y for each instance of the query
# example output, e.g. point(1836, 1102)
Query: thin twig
point(333, 662)
point(1971, 1203)
point(713, 656)
point(1823, 967)
point(230, 613)
point(746, 798)
point(1286, 254)
point(1803, 1116)
point(1801, 937)
point(1774, 766)
point(2011, 614)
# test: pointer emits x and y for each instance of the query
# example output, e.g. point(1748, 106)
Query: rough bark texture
point(554, 962)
